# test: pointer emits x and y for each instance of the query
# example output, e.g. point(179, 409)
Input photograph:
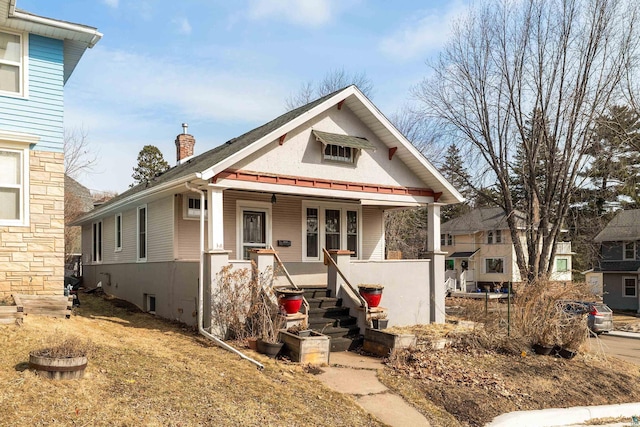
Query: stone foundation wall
point(32, 257)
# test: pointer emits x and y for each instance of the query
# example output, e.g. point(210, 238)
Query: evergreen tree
point(454, 171)
point(151, 163)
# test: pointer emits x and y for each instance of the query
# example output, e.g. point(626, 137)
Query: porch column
point(343, 260)
point(437, 290)
point(215, 260)
point(264, 261)
point(215, 218)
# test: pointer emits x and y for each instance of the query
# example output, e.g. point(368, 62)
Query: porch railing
point(305, 303)
point(329, 260)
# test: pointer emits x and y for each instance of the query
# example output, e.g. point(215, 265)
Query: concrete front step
point(338, 332)
point(320, 322)
point(324, 302)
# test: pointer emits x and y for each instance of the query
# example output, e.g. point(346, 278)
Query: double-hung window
point(494, 265)
point(12, 64)
point(13, 186)
point(629, 250)
point(629, 287)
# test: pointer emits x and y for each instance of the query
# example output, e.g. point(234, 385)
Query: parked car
point(599, 315)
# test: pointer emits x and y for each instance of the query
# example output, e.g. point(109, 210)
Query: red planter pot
point(371, 295)
point(290, 302)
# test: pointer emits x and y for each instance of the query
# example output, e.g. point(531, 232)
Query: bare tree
point(530, 77)
point(332, 81)
point(79, 157)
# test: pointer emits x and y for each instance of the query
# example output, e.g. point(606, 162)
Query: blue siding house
point(37, 57)
point(620, 260)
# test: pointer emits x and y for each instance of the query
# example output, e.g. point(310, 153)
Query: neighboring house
point(480, 252)
point(77, 201)
point(37, 57)
point(620, 260)
point(320, 176)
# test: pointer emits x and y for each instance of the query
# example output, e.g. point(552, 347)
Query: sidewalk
point(353, 374)
point(623, 334)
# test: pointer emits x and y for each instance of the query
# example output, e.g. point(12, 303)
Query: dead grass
point(468, 384)
point(144, 371)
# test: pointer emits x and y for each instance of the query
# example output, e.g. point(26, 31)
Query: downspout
point(201, 329)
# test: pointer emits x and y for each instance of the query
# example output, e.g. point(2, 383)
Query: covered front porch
point(289, 232)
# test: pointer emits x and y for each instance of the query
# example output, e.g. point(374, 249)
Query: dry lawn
point(467, 385)
point(145, 371)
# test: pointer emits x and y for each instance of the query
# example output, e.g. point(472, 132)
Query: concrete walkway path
point(353, 374)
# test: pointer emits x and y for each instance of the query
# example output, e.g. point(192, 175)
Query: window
point(352, 233)
point(312, 232)
point(338, 153)
point(151, 303)
point(629, 250)
point(562, 264)
point(494, 265)
point(629, 287)
point(446, 240)
point(12, 63)
point(13, 183)
point(96, 242)
point(494, 236)
point(192, 207)
point(449, 264)
point(332, 226)
point(142, 233)
point(118, 231)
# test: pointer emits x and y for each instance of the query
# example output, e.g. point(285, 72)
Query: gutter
point(92, 32)
point(201, 329)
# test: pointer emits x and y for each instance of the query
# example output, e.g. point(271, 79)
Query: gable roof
point(625, 226)
point(77, 37)
point(205, 166)
point(480, 219)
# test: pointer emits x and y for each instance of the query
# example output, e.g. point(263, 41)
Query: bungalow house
point(317, 177)
point(480, 252)
point(37, 57)
point(620, 260)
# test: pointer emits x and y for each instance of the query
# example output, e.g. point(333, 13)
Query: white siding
point(187, 236)
point(372, 233)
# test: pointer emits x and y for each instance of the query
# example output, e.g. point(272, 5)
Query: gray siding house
point(620, 260)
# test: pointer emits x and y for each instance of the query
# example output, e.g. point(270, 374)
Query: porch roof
point(463, 254)
point(343, 140)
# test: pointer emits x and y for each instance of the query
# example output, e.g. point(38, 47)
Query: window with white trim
point(96, 242)
point(14, 169)
point(490, 237)
point(494, 265)
point(446, 240)
point(562, 264)
point(494, 237)
point(629, 250)
point(13, 58)
point(192, 207)
point(118, 232)
point(629, 287)
point(142, 232)
point(330, 226)
point(498, 236)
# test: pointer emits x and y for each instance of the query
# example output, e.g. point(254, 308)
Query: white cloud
point(111, 3)
point(314, 13)
point(183, 25)
point(427, 33)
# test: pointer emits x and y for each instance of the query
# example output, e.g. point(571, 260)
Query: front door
point(254, 234)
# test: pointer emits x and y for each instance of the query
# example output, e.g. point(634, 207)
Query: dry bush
point(241, 304)
point(61, 347)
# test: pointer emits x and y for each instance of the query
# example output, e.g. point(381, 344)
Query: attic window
point(341, 148)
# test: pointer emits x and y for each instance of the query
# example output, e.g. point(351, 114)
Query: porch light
point(273, 198)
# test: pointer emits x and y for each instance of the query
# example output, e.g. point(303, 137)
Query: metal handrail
point(363, 302)
point(305, 304)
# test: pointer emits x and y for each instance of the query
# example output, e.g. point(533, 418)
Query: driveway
point(624, 348)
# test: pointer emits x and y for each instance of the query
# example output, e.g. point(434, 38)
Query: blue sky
point(225, 67)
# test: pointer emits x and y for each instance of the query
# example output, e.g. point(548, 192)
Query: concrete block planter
point(382, 343)
point(313, 349)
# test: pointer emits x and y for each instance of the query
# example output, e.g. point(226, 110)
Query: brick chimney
point(184, 145)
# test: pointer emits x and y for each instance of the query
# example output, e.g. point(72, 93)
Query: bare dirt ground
point(144, 371)
point(466, 385)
